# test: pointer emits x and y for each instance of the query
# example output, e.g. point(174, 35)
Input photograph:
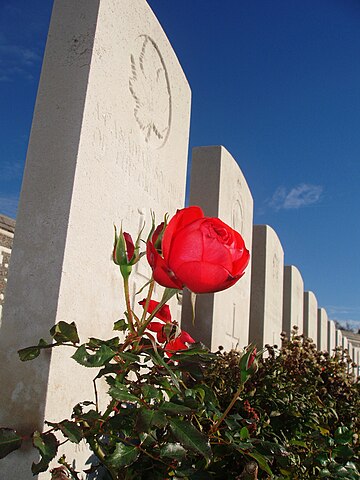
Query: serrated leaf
point(121, 325)
point(173, 451)
point(120, 392)
point(123, 456)
point(189, 437)
point(150, 392)
point(175, 409)
point(97, 359)
point(47, 446)
point(65, 332)
point(71, 431)
point(147, 419)
point(9, 441)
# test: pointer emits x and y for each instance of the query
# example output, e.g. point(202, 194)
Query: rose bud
point(203, 254)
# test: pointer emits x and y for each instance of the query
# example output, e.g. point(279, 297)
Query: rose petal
point(181, 219)
point(164, 312)
point(202, 277)
point(130, 248)
point(161, 272)
point(185, 337)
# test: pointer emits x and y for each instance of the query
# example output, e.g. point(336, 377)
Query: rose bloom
point(200, 253)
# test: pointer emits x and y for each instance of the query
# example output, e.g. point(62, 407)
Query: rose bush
point(200, 253)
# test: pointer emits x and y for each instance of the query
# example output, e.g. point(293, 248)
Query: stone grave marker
point(293, 301)
point(266, 304)
point(331, 337)
point(310, 316)
point(322, 342)
point(108, 142)
point(219, 187)
point(339, 338)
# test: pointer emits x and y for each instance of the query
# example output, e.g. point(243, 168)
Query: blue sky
point(277, 83)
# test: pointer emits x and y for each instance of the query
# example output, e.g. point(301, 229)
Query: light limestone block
point(331, 337)
point(267, 272)
point(322, 330)
point(345, 342)
point(108, 142)
point(219, 187)
point(310, 316)
point(293, 301)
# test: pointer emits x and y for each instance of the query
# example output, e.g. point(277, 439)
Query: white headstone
point(339, 338)
point(109, 141)
point(267, 272)
point(331, 336)
point(322, 341)
point(310, 316)
point(219, 187)
point(293, 301)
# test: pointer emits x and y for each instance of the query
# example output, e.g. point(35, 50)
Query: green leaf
point(98, 359)
point(343, 435)
point(28, 353)
point(120, 392)
point(123, 456)
point(175, 409)
point(244, 433)
point(189, 437)
point(150, 392)
point(121, 325)
point(147, 419)
point(71, 431)
point(261, 460)
point(9, 441)
point(343, 451)
point(47, 446)
point(65, 332)
point(173, 451)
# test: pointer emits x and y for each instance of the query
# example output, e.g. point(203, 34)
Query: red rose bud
point(203, 254)
point(252, 358)
point(123, 252)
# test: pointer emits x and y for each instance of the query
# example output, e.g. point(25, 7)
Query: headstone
point(109, 141)
point(331, 336)
point(310, 316)
point(267, 272)
point(219, 187)
point(322, 341)
point(293, 301)
point(339, 338)
point(7, 227)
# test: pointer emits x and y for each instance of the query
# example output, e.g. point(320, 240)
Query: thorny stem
point(128, 305)
point(148, 298)
point(101, 456)
point(224, 415)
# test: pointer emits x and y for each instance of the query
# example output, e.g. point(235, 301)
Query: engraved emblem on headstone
point(150, 88)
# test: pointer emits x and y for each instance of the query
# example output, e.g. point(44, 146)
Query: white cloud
point(302, 195)
point(16, 60)
point(8, 205)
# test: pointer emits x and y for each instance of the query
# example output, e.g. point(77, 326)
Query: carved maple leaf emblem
point(149, 85)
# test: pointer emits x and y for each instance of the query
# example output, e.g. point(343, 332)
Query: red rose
point(164, 312)
point(203, 254)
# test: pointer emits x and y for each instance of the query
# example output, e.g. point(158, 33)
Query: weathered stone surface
point(310, 316)
point(109, 141)
point(266, 303)
point(331, 336)
point(220, 189)
point(293, 301)
point(322, 341)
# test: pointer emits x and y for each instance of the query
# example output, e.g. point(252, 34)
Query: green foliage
point(304, 401)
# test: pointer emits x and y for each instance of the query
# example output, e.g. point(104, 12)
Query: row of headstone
point(108, 142)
